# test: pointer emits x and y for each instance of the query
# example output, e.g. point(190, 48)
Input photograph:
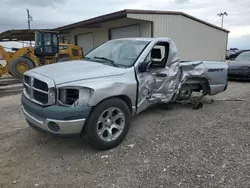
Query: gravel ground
point(167, 146)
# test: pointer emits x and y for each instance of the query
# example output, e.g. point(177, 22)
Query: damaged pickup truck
point(96, 97)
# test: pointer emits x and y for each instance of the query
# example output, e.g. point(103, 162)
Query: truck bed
point(213, 72)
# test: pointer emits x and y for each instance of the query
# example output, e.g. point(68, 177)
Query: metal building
point(195, 39)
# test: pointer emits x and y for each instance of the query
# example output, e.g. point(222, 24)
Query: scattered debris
point(180, 148)
point(87, 172)
point(131, 146)
point(104, 156)
point(146, 161)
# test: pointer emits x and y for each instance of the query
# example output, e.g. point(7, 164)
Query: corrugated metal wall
point(195, 41)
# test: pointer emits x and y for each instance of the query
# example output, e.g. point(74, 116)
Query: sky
point(55, 13)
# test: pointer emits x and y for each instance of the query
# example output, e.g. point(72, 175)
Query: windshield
point(244, 56)
point(118, 52)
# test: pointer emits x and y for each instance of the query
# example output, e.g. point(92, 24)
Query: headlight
point(52, 96)
point(75, 97)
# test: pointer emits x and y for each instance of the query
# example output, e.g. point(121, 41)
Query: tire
point(93, 125)
point(197, 106)
point(14, 64)
point(63, 59)
point(184, 94)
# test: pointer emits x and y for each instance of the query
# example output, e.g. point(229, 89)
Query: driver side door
point(151, 80)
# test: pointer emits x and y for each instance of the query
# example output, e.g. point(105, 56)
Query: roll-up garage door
point(86, 41)
point(124, 32)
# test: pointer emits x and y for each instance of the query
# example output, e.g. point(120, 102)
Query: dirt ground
point(167, 146)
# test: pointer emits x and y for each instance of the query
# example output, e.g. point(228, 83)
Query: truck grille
point(40, 85)
point(41, 97)
point(37, 90)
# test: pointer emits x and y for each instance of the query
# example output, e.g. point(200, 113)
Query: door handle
point(160, 75)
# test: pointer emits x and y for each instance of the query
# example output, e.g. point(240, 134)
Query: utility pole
point(222, 14)
point(28, 14)
point(29, 19)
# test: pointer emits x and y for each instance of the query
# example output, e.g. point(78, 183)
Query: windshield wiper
point(87, 58)
point(109, 60)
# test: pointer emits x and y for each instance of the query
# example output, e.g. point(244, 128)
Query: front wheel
point(107, 124)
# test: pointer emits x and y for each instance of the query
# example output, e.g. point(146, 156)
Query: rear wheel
point(185, 94)
point(19, 66)
point(108, 124)
point(197, 106)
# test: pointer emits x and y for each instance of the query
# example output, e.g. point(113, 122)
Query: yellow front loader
point(18, 62)
point(24, 59)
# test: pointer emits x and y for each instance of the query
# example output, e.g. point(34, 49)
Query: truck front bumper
point(57, 120)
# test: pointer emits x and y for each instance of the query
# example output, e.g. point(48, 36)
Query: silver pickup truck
point(96, 97)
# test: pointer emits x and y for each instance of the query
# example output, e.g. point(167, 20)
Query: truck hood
point(70, 71)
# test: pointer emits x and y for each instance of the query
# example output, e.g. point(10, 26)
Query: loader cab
point(46, 43)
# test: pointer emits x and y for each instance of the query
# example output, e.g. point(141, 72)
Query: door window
point(158, 55)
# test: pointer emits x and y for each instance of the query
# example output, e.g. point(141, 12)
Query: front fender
point(113, 89)
point(103, 88)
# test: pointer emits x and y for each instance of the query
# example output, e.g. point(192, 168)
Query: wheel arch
point(90, 132)
point(202, 81)
point(124, 98)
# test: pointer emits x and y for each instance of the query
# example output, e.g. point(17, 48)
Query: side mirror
point(144, 66)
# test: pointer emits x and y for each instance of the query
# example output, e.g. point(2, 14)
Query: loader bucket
point(2, 65)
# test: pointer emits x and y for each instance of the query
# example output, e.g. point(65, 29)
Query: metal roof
point(123, 14)
point(19, 35)
point(29, 35)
